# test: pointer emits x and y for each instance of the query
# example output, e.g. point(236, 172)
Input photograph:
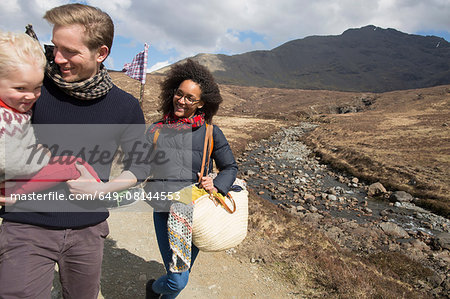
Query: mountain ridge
point(366, 59)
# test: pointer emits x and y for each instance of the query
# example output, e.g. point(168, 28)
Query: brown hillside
point(400, 138)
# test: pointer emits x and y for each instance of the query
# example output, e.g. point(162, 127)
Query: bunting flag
point(137, 69)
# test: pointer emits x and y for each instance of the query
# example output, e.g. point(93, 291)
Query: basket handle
point(223, 203)
point(208, 144)
point(207, 150)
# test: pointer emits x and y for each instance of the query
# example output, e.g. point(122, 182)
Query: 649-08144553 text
point(139, 195)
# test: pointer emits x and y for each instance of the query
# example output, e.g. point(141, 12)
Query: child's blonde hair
point(18, 49)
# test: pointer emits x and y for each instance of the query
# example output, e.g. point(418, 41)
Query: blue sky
point(124, 50)
point(176, 29)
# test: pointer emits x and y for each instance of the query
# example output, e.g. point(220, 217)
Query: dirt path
point(132, 257)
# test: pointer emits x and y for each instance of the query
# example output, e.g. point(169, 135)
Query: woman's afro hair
point(191, 70)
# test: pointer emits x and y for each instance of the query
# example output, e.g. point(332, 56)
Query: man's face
point(76, 62)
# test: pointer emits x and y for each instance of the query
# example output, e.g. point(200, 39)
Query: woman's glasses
point(189, 99)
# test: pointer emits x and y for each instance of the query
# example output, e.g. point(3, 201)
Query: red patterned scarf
point(172, 121)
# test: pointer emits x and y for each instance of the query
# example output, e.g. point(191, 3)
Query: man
point(77, 93)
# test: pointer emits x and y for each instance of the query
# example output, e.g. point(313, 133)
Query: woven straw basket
point(214, 228)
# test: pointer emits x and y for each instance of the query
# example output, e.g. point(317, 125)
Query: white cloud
point(30, 12)
point(158, 66)
point(211, 26)
point(204, 26)
point(10, 6)
point(110, 5)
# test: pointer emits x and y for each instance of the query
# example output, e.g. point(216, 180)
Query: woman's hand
point(85, 184)
point(207, 183)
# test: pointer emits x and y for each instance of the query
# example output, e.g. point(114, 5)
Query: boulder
point(442, 240)
point(313, 209)
point(367, 210)
point(309, 197)
point(376, 189)
point(393, 230)
point(250, 172)
point(332, 197)
point(400, 196)
point(419, 245)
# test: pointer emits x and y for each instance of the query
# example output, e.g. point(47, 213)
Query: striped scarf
point(89, 89)
point(179, 231)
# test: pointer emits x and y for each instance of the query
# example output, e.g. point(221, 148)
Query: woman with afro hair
point(189, 99)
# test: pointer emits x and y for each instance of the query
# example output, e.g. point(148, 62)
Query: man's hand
point(6, 201)
point(85, 184)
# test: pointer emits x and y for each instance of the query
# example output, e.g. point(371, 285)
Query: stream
point(283, 170)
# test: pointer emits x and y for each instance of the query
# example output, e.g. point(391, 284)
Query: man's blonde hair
point(18, 49)
point(98, 24)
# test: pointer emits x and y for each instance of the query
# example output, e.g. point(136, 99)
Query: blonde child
point(22, 64)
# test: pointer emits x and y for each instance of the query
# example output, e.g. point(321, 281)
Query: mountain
point(368, 59)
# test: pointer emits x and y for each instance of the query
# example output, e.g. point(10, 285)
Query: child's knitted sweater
point(18, 153)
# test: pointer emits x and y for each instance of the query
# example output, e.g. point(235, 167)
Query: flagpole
point(144, 77)
point(141, 94)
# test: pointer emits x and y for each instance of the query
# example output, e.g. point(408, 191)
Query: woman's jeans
point(171, 284)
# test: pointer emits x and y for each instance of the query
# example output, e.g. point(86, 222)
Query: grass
point(318, 268)
point(399, 266)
